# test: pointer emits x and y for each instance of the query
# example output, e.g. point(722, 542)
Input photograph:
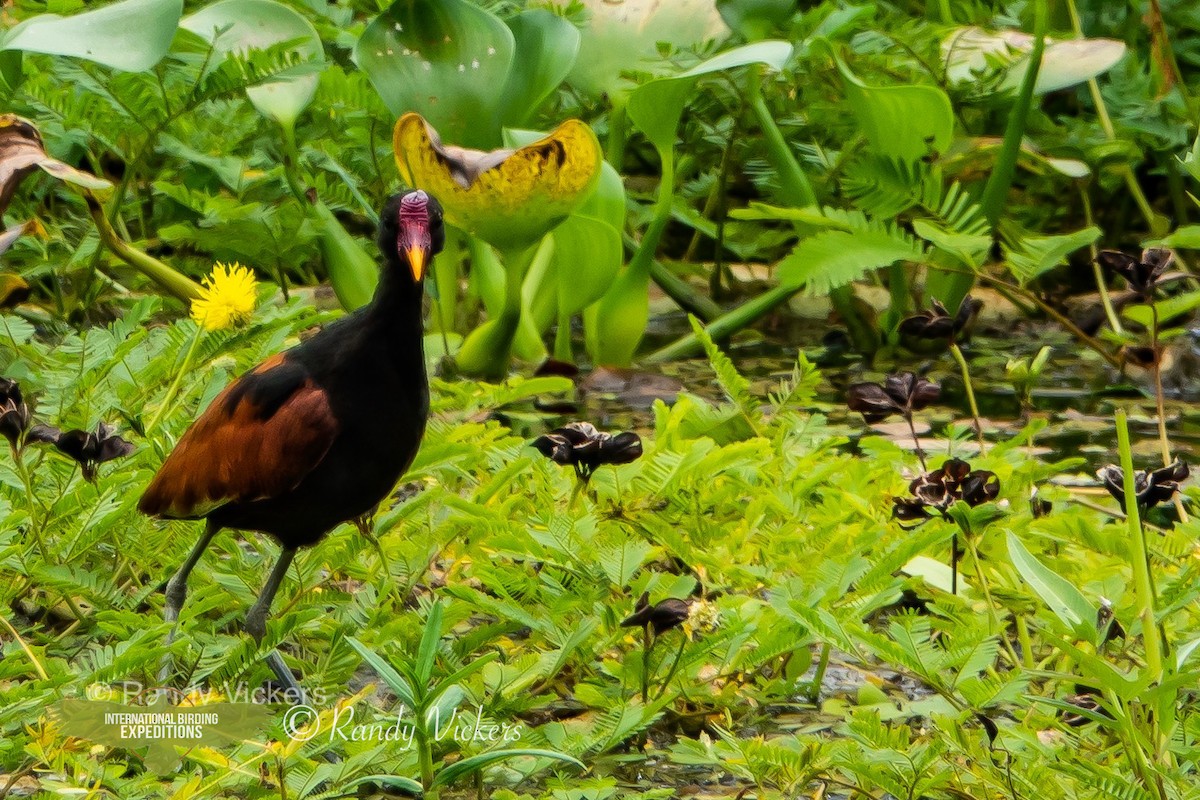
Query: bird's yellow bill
point(416, 260)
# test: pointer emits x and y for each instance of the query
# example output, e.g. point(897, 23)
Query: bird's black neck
point(394, 316)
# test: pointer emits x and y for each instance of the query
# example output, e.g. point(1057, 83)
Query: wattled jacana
point(317, 435)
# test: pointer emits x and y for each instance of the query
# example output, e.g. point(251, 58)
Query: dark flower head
point(937, 490)
point(661, 617)
point(1086, 702)
point(14, 413)
point(1151, 488)
point(1142, 274)
point(936, 323)
point(89, 448)
point(899, 394)
point(1038, 506)
point(580, 445)
point(980, 487)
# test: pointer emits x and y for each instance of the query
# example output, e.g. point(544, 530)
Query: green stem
point(1025, 640)
point(814, 692)
point(682, 292)
point(994, 620)
point(179, 285)
point(291, 165)
point(995, 193)
point(35, 524)
point(173, 389)
point(726, 325)
point(1160, 405)
point(647, 648)
point(643, 257)
point(666, 682)
point(1110, 132)
point(1101, 286)
point(966, 376)
point(1139, 553)
point(794, 186)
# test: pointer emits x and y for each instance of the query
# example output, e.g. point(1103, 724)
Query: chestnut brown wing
point(260, 437)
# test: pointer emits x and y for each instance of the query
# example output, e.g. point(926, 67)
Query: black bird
point(317, 435)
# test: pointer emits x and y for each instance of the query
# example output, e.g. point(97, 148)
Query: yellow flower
point(227, 298)
point(703, 617)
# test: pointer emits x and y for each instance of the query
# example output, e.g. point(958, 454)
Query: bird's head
point(411, 231)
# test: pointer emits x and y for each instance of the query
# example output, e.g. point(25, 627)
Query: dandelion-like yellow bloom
point(227, 298)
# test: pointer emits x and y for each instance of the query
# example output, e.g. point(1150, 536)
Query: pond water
point(1077, 394)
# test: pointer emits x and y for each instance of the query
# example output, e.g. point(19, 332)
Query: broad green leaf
point(1168, 309)
point(547, 45)
point(935, 573)
point(441, 707)
point(655, 107)
point(1185, 236)
point(1032, 255)
point(755, 19)
point(461, 769)
point(352, 272)
point(622, 36)
point(508, 198)
point(587, 256)
point(238, 26)
point(428, 649)
point(970, 52)
point(902, 122)
point(10, 70)
point(830, 259)
point(446, 60)
point(1067, 602)
point(398, 684)
point(132, 35)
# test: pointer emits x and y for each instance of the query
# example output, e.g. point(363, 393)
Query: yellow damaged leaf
point(508, 198)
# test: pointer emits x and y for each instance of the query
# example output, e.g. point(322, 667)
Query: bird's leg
point(177, 592)
point(256, 625)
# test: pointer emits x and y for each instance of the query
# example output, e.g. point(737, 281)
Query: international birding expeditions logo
point(154, 726)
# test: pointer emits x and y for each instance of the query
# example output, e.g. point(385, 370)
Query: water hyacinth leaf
point(907, 123)
point(587, 252)
point(443, 59)
point(238, 26)
point(508, 198)
point(352, 272)
point(132, 35)
point(656, 107)
point(755, 19)
point(1067, 602)
point(830, 259)
point(623, 36)
point(548, 45)
point(969, 52)
point(22, 152)
point(10, 70)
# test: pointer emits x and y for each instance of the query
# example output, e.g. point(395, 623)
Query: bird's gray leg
point(177, 591)
point(256, 625)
